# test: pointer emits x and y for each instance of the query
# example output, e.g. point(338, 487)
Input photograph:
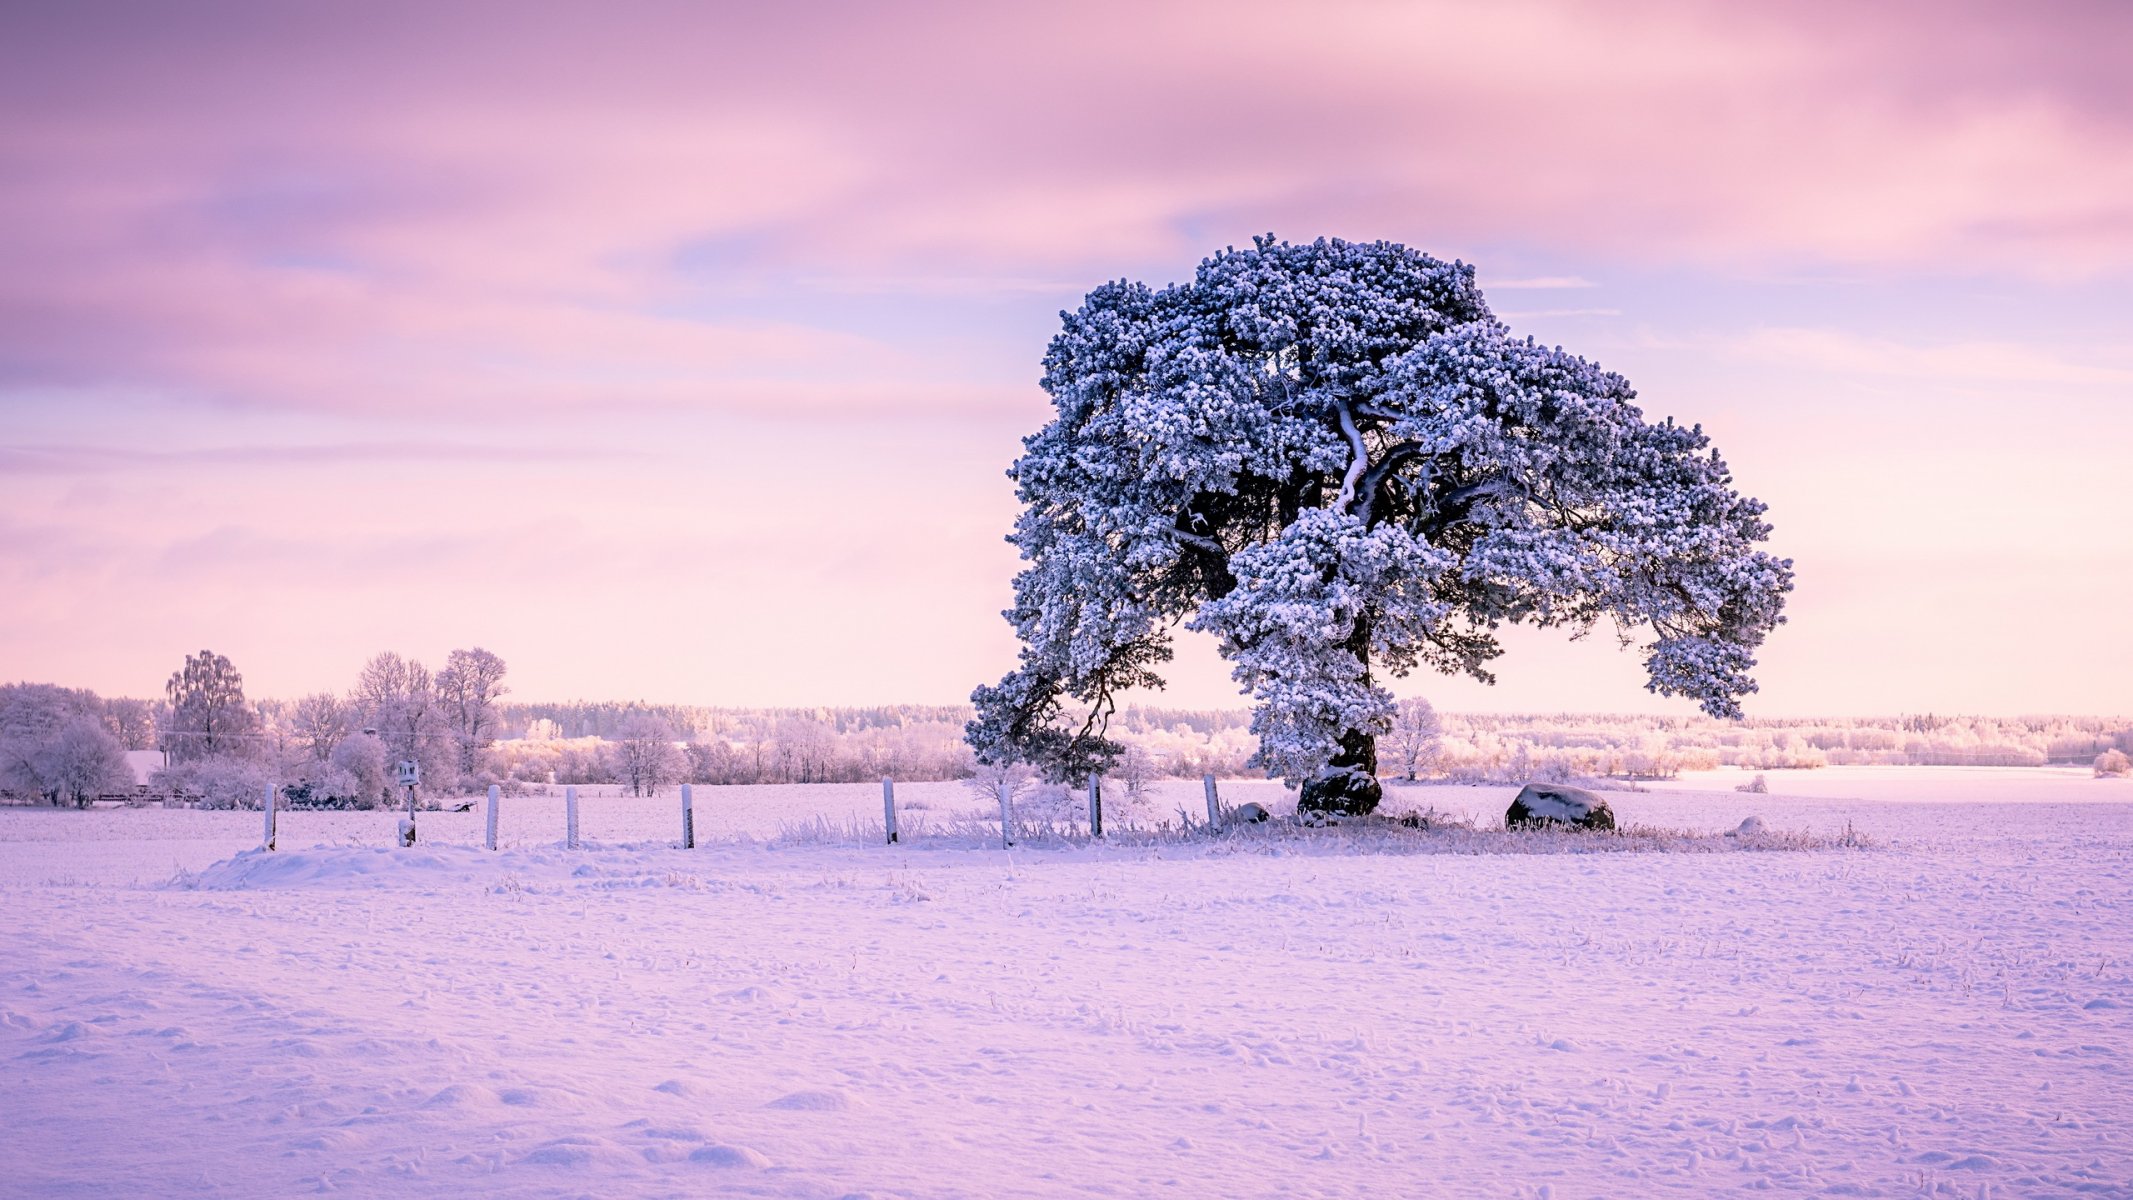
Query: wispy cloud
point(1994, 362)
point(83, 458)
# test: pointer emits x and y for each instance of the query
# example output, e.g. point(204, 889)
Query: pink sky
point(674, 351)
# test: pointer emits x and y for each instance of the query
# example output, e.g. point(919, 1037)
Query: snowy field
point(787, 1011)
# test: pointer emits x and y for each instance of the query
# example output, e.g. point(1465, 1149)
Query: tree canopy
point(1336, 460)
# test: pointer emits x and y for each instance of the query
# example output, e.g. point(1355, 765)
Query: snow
point(1256, 1015)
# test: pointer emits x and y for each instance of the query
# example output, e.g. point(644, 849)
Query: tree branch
point(1198, 542)
point(1383, 471)
point(1356, 465)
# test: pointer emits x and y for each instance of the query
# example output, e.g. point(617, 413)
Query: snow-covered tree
point(83, 761)
point(398, 697)
point(469, 686)
point(644, 755)
point(133, 721)
point(1416, 736)
point(320, 721)
point(1334, 459)
point(208, 714)
point(359, 761)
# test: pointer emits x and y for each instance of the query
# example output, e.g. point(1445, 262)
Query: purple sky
point(674, 351)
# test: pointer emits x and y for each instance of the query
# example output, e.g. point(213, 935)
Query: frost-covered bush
point(996, 783)
point(1333, 458)
point(358, 767)
point(1052, 804)
point(221, 781)
point(1757, 785)
point(80, 762)
point(2113, 762)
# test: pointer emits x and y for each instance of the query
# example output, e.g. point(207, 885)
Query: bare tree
point(321, 720)
point(645, 757)
point(209, 716)
point(1417, 736)
point(398, 698)
point(134, 721)
point(1136, 770)
point(469, 686)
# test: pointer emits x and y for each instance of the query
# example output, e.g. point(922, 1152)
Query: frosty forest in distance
point(69, 746)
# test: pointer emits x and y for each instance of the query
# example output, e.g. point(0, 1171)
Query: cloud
point(1976, 362)
point(81, 458)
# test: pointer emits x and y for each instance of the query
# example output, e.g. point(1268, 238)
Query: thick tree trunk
point(1348, 786)
point(1359, 747)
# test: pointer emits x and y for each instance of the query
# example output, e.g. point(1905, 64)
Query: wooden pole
point(494, 793)
point(688, 818)
point(1214, 802)
point(1096, 807)
point(407, 826)
point(266, 841)
point(570, 817)
point(888, 808)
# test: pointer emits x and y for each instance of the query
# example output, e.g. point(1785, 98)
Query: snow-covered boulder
point(1343, 791)
point(1750, 827)
point(1250, 812)
point(1558, 804)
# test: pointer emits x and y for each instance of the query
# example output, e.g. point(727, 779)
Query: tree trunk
point(1348, 786)
point(1359, 747)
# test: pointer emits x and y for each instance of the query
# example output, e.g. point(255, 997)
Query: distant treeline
point(821, 745)
point(63, 745)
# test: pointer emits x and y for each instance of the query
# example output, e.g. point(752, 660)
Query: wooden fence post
point(688, 818)
point(1214, 802)
point(888, 808)
point(570, 818)
point(494, 793)
point(1096, 807)
point(266, 841)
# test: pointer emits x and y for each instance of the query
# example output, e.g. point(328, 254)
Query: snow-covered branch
point(1359, 463)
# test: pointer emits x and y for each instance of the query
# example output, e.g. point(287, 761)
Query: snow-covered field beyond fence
point(790, 1010)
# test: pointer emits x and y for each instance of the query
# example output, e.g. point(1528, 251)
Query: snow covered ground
point(1264, 1014)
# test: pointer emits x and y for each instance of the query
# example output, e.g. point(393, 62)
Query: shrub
point(221, 781)
point(2113, 762)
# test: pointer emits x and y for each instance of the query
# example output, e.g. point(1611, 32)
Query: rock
point(1752, 827)
point(1341, 791)
point(1254, 813)
point(1558, 804)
